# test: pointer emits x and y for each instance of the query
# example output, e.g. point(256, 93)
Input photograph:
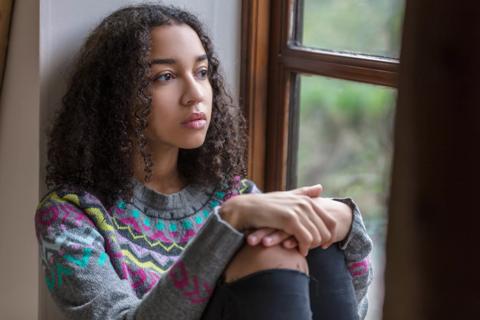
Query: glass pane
point(362, 26)
point(345, 143)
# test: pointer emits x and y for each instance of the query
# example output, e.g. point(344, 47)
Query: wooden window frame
point(271, 60)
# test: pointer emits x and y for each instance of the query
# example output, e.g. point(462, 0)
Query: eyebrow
point(201, 58)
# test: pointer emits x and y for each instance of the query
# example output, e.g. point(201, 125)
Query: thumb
point(311, 191)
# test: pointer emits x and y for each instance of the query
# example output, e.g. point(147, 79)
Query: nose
point(193, 92)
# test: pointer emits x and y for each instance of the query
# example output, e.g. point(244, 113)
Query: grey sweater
point(154, 256)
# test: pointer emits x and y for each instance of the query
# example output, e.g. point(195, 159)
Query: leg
point(252, 259)
point(262, 283)
point(331, 289)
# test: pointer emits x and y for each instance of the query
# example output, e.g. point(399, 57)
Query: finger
point(294, 227)
point(290, 243)
point(256, 236)
point(275, 238)
point(327, 226)
point(310, 219)
point(311, 191)
point(325, 234)
point(324, 222)
point(308, 232)
point(324, 214)
point(311, 222)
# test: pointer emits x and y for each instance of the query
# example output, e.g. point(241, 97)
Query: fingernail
point(253, 239)
point(268, 240)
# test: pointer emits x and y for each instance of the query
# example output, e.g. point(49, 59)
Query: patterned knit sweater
point(155, 256)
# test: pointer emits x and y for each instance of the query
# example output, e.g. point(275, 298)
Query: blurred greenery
point(345, 132)
point(345, 139)
point(360, 26)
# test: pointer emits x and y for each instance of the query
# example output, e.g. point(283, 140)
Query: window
point(319, 87)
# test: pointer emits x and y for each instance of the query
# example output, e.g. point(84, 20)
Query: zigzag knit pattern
point(100, 263)
point(76, 232)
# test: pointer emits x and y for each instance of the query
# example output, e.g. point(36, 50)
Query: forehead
point(175, 41)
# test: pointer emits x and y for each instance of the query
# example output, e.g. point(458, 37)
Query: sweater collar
point(176, 205)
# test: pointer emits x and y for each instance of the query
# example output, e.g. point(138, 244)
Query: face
point(181, 91)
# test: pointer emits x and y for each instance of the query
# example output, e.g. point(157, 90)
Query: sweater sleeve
point(75, 242)
point(357, 247)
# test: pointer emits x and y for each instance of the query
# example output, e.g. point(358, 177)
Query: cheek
point(209, 95)
point(160, 118)
point(160, 106)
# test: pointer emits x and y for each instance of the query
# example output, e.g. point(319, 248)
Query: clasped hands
point(296, 218)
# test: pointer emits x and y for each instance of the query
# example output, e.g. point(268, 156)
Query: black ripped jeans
point(284, 294)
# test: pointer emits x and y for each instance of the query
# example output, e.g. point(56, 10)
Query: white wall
point(44, 38)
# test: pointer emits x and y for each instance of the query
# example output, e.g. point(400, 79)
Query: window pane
point(345, 143)
point(361, 26)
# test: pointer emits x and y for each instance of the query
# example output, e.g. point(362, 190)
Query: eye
point(202, 73)
point(165, 77)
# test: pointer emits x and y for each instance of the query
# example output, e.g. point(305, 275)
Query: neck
point(165, 176)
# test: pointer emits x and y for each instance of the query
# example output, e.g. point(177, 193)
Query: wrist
point(345, 215)
point(229, 213)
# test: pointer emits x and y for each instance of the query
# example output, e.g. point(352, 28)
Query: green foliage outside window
point(346, 127)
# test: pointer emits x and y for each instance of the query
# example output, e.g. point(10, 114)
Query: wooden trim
point(271, 58)
point(254, 82)
point(293, 131)
point(381, 71)
point(278, 100)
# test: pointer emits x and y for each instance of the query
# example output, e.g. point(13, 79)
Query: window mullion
point(278, 99)
point(343, 66)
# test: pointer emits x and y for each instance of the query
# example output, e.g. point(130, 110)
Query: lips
point(195, 117)
point(195, 121)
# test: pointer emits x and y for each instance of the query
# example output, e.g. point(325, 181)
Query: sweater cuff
point(216, 212)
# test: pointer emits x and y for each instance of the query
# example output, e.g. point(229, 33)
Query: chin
point(192, 143)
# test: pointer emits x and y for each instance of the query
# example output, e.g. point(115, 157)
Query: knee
point(252, 259)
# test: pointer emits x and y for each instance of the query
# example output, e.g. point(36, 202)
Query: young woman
point(147, 217)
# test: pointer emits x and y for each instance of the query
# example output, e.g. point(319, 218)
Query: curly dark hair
point(104, 112)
